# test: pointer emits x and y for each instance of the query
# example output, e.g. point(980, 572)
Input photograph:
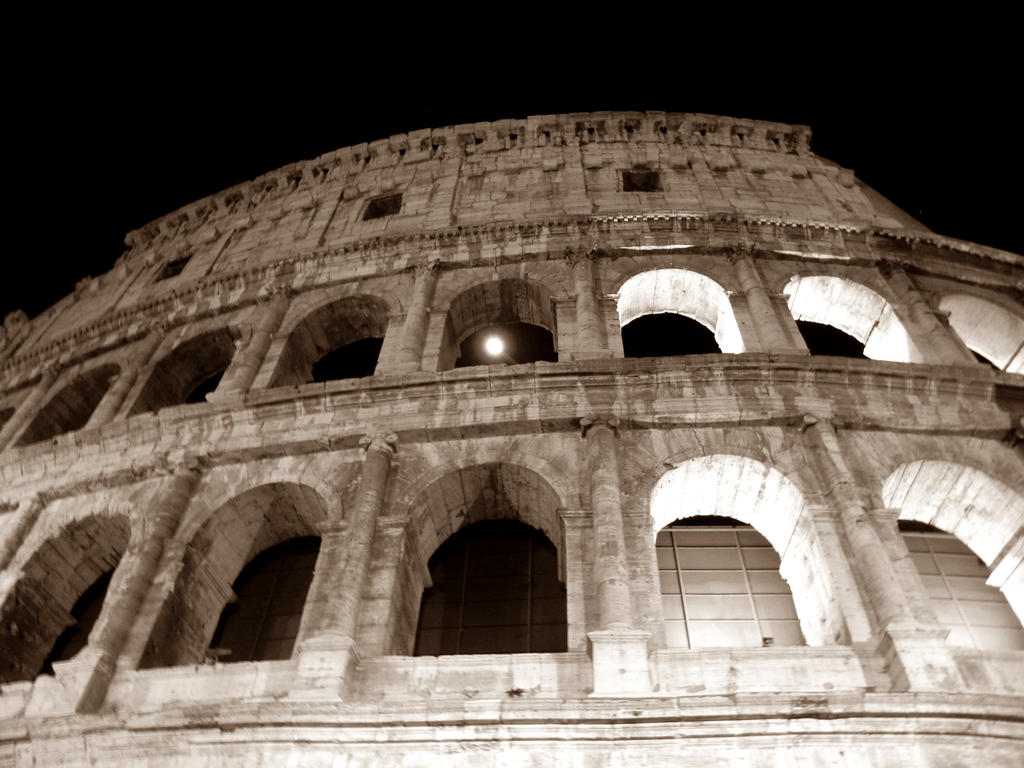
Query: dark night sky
point(110, 145)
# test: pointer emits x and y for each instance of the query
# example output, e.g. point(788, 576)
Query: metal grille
point(976, 614)
point(720, 587)
point(263, 622)
point(496, 590)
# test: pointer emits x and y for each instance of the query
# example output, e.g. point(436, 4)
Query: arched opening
point(976, 614)
point(990, 331)
point(495, 590)
point(188, 373)
point(721, 587)
point(508, 344)
point(828, 340)
point(340, 340)
point(46, 616)
point(509, 517)
point(263, 622)
point(666, 296)
point(853, 309)
point(667, 334)
point(85, 612)
point(986, 515)
point(70, 408)
point(518, 312)
point(779, 540)
point(231, 536)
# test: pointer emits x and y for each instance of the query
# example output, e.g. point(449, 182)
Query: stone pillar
point(112, 401)
point(772, 335)
point(240, 376)
point(618, 651)
point(328, 653)
point(417, 318)
point(591, 341)
point(915, 654)
point(576, 524)
point(25, 518)
point(375, 627)
point(81, 684)
point(28, 408)
point(934, 339)
point(1007, 573)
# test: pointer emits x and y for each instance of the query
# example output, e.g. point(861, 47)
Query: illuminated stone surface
point(574, 224)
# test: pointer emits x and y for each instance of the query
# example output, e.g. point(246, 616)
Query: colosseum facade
point(269, 497)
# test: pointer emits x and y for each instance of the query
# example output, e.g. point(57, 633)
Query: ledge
point(752, 390)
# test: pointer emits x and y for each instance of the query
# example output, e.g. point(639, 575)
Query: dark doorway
point(85, 612)
point(828, 340)
point(205, 387)
point(666, 334)
point(352, 361)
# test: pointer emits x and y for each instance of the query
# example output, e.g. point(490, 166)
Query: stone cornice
point(189, 302)
point(290, 421)
point(299, 180)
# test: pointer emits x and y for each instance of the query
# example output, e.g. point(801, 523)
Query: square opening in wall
point(641, 180)
point(173, 268)
point(383, 206)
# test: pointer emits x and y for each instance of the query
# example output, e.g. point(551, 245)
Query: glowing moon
point(494, 345)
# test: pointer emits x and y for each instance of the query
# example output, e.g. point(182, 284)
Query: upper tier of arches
point(437, 319)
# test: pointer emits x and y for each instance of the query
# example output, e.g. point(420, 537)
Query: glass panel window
point(975, 613)
point(263, 622)
point(496, 590)
point(720, 587)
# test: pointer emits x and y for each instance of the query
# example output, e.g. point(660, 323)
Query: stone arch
point(454, 502)
point(725, 485)
point(978, 509)
point(681, 292)
point(984, 513)
point(215, 553)
point(325, 328)
point(856, 310)
point(71, 407)
point(326, 484)
point(188, 365)
point(987, 328)
point(468, 494)
point(49, 582)
point(495, 302)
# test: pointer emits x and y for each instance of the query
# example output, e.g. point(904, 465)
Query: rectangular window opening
point(385, 205)
point(641, 180)
point(173, 268)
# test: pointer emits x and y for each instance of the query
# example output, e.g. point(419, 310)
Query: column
point(1007, 573)
point(767, 326)
point(28, 408)
point(619, 652)
point(936, 340)
point(112, 401)
point(81, 684)
point(327, 654)
point(915, 654)
point(240, 375)
point(590, 337)
point(579, 599)
point(26, 515)
point(414, 329)
point(129, 589)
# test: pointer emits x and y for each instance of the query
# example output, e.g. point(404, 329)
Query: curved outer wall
point(101, 464)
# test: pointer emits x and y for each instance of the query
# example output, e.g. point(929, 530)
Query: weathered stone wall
point(743, 229)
